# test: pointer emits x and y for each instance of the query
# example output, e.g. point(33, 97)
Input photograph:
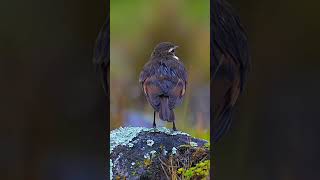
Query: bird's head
point(164, 49)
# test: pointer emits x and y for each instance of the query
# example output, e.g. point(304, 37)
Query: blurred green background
point(136, 28)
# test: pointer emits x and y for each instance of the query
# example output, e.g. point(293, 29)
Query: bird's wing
point(179, 76)
point(147, 72)
point(101, 55)
point(179, 69)
point(149, 84)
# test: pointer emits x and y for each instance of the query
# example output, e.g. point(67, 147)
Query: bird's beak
point(175, 47)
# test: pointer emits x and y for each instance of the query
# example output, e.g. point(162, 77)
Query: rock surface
point(160, 153)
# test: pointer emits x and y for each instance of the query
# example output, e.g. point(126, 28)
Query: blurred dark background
point(275, 134)
point(52, 106)
point(53, 124)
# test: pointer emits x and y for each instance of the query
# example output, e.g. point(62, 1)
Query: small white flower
point(150, 142)
point(133, 163)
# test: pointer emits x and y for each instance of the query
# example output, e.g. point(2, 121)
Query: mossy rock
point(148, 153)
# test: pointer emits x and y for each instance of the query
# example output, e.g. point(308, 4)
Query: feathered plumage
point(163, 80)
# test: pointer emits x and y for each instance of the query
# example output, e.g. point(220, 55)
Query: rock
point(157, 153)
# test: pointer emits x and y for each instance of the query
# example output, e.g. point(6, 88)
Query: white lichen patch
point(193, 144)
point(150, 142)
point(174, 150)
point(147, 156)
point(153, 152)
point(111, 166)
point(130, 145)
point(123, 135)
point(164, 152)
point(117, 159)
point(165, 130)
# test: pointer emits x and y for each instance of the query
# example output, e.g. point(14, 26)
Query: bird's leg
point(154, 119)
point(174, 126)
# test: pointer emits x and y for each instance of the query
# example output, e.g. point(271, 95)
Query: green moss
point(180, 170)
point(134, 173)
point(147, 162)
point(207, 145)
point(140, 163)
point(201, 170)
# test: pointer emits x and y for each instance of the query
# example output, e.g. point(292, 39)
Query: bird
point(230, 65)
point(163, 80)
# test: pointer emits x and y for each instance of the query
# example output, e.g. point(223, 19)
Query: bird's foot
point(174, 126)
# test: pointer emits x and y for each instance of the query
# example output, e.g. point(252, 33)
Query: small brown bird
point(164, 80)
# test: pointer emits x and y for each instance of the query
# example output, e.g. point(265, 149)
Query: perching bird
point(229, 65)
point(164, 80)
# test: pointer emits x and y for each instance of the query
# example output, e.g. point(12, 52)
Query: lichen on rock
point(193, 144)
point(174, 150)
point(150, 142)
point(138, 152)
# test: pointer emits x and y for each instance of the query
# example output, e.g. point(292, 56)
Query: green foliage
point(147, 162)
point(207, 145)
point(201, 170)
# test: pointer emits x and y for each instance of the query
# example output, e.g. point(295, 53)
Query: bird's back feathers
point(164, 81)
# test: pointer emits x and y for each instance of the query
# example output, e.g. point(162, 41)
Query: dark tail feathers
point(165, 113)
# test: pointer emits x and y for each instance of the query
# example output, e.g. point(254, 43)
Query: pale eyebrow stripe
point(171, 49)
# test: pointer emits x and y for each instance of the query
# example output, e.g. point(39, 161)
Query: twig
point(162, 162)
point(164, 169)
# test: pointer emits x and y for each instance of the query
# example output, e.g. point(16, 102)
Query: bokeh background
point(275, 132)
point(136, 27)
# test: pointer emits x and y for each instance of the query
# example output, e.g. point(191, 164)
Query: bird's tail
point(165, 113)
